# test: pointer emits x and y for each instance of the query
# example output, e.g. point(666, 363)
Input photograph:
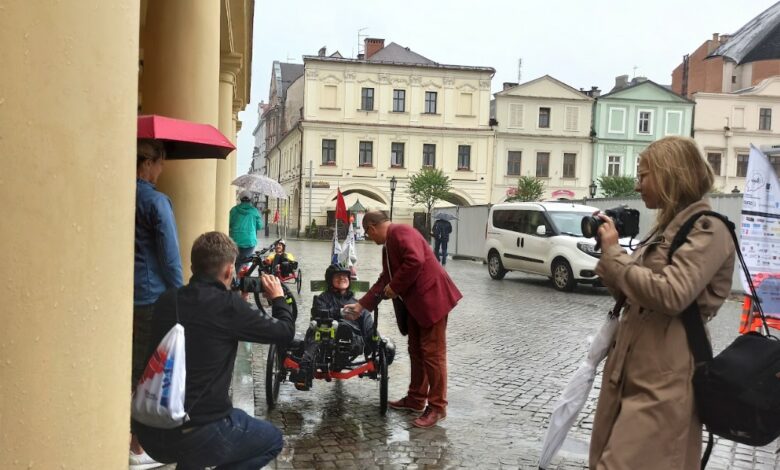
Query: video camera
point(249, 284)
point(626, 222)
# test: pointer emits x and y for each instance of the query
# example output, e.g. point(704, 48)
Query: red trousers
point(428, 357)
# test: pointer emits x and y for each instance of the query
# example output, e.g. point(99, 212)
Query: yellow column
point(225, 200)
point(68, 100)
point(181, 80)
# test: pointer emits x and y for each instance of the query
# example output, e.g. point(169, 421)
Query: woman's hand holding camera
point(607, 233)
point(272, 288)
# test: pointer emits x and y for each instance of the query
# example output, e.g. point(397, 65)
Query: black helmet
point(332, 270)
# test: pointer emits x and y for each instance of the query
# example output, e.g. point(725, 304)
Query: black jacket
point(215, 320)
point(333, 303)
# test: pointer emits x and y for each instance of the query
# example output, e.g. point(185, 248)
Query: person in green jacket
point(245, 221)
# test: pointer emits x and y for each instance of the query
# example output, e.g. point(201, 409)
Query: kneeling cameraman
point(215, 320)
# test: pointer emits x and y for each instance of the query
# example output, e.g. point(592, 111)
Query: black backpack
point(738, 391)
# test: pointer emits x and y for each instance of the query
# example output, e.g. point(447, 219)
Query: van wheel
point(495, 266)
point(562, 277)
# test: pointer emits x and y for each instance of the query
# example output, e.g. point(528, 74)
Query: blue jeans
point(440, 246)
point(235, 442)
point(242, 254)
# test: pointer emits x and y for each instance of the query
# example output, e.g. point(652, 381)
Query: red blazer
point(417, 277)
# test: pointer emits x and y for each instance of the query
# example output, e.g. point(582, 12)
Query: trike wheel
point(299, 282)
point(383, 379)
point(274, 374)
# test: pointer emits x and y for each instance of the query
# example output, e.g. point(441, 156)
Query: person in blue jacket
point(157, 260)
point(245, 221)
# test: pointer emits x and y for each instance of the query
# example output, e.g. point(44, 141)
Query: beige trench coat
point(645, 418)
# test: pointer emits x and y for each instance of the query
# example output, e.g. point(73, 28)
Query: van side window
point(535, 219)
point(508, 220)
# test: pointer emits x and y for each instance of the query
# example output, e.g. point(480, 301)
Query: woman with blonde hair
point(646, 415)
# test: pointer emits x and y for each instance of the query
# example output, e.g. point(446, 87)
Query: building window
point(464, 157)
point(464, 104)
point(572, 118)
point(774, 160)
point(617, 121)
point(516, 115)
point(366, 153)
point(397, 154)
point(542, 164)
point(614, 165)
point(765, 119)
point(399, 101)
point(674, 120)
point(644, 122)
point(513, 162)
point(430, 102)
point(742, 164)
point(429, 155)
point(367, 99)
point(713, 158)
point(544, 118)
point(328, 151)
point(569, 165)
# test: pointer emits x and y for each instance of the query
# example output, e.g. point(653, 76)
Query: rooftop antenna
point(635, 68)
point(289, 59)
point(519, 69)
point(360, 36)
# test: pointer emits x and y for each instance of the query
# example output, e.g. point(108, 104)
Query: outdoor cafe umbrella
point(260, 184)
point(185, 139)
point(576, 392)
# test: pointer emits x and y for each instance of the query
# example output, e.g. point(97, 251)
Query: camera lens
point(590, 226)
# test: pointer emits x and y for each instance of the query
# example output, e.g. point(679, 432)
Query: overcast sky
point(582, 43)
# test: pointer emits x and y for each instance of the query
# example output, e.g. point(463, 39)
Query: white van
point(541, 238)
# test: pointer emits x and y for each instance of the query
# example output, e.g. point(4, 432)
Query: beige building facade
point(69, 102)
point(726, 124)
point(543, 131)
point(387, 114)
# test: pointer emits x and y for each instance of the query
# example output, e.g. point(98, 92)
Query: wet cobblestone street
point(512, 345)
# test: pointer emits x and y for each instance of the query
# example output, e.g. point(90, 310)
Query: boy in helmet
point(281, 258)
point(356, 332)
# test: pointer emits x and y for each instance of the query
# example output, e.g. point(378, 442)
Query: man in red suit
point(423, 296)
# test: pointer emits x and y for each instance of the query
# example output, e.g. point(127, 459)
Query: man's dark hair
point(148, 149)
point(374, 218)
point(211, 252)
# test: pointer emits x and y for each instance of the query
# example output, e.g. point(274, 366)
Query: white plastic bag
point(159, 398)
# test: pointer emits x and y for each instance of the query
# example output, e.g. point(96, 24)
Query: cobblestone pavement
point(512, 346)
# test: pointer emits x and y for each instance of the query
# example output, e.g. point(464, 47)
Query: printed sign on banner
point(760, 228)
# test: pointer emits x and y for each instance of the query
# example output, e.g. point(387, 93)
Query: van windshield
point(568, 223)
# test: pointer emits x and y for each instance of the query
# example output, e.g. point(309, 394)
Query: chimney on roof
point(621, 81)
point(508, 85)
point(639, 79)
point(361, 56)
point(373, 45)
point(715, 37)
point(323, 50)
point(594, 92)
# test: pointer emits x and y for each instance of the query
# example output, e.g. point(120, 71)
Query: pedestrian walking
point(423, 296)
point(441, 236)
point(646, 415)
point(157, 263)
point(245, 221)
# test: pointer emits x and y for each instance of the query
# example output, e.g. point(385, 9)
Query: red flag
point(276, 216)
point(341, 208)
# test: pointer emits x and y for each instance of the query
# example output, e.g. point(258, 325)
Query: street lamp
point(592, 188)
point(393, 184)
point(735, 190)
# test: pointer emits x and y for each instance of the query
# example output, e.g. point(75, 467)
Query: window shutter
point(572, 118)
point(516, 115)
